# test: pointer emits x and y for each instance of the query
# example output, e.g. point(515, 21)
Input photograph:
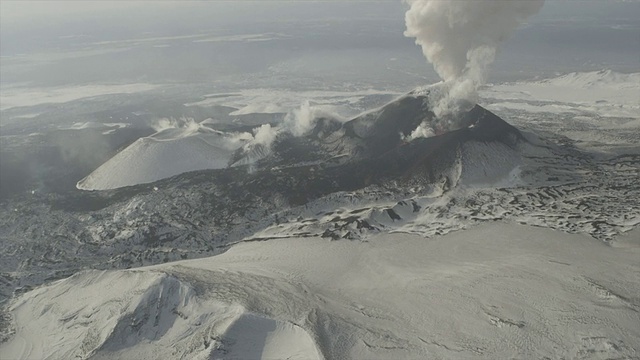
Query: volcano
point(334, 155)
point(372, 149)
point(291, 188)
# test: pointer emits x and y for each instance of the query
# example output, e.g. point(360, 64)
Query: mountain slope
point(496, 291)
point(167, 153)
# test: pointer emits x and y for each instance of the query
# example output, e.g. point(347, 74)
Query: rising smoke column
point(460, 38)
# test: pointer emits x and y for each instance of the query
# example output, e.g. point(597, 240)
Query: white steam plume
point(265, 135)
point(297, 122)
point(460, 38)
point(300, 121)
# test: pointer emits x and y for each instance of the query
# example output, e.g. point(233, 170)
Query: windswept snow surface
point(168, 152)
point(495, 292)
point(268, 101)
point(601, 93)
point(595, 110)
point(18, 96)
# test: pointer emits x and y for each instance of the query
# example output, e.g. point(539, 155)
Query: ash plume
point(461, 38)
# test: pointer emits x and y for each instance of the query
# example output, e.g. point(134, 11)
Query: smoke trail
point(460, 38)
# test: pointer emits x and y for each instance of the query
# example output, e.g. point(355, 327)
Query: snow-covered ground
point(11, 97)
point(250, 101)
point(596, 110)
point(521, 271)
point(496, 291)
point(603, 93)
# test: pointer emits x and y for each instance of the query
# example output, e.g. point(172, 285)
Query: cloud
point(461, 39)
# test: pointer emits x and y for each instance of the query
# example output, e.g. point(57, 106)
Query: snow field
point(495, 291)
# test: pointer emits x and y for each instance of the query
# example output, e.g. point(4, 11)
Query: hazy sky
point(343, 39)
point(30, 13)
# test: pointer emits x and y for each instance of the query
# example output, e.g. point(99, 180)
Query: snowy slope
point(169, 152)
point(496, 291)
point(269, 101)
point(597, 110)
point(18, 96)
point(603, 93)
